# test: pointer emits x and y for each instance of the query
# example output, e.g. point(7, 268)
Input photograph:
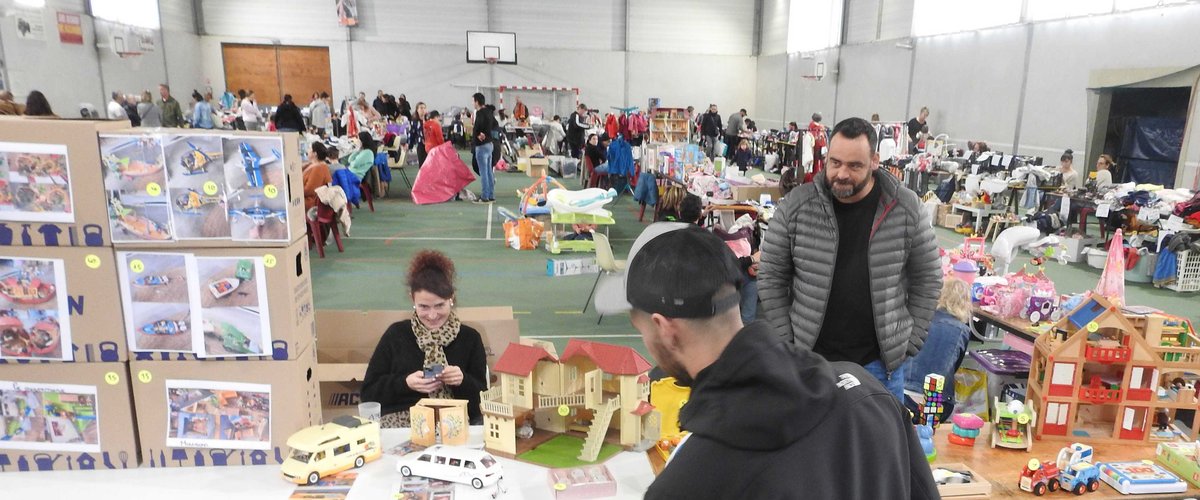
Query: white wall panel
point(184, 70)
point(554, 24)
point(805, 96)
point(971, 83)
point(720, 27)
point(177, 15)
point(896, 20)
point(75, 77)
point(774, 27)
point(695, 80)
point(770, 88)
point(873, 78)
point(418, 21)
point(862, 20)
point(274, 19)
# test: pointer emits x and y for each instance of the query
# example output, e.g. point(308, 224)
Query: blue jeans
point(749, 298)
point(894, 384)
point(487, 176)
point(942, 354)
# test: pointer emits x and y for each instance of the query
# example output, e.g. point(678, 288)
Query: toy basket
point(1188, 279)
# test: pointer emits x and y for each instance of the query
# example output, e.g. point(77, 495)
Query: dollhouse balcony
point(1139, 394)
point(496, 408)
point(1097, 393)
point(1107, 355)
point(553, 401)
point(1179, 356)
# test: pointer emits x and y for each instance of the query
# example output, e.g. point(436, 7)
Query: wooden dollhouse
point(591, 388)
point(1107, 375)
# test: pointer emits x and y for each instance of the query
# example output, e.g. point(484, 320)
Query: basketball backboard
point(482, 45)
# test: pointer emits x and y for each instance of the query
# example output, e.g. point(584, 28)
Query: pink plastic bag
point(1112, 279)
point(502, 165)
point(443, 176)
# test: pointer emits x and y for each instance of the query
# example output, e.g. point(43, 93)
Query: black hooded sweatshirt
point(773, 421)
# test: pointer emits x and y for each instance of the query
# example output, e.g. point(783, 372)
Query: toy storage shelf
point(670, 125)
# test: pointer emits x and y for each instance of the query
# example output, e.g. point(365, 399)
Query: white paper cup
point(370, 411)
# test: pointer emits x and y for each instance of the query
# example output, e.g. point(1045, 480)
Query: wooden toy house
point(1106, 375)
point(591, 388)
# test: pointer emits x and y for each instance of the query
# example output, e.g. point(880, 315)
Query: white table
point(376, 480)
point(981, 214)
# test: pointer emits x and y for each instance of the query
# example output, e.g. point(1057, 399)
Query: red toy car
point(1039, 477)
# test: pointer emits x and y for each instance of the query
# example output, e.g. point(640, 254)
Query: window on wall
point(1058, 9)
point(935, 17)
point(814, 25)
point(140, 13)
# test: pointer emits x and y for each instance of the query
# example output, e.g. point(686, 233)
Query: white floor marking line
point(489, 225)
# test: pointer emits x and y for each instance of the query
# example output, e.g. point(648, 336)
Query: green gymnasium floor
point(370, 274)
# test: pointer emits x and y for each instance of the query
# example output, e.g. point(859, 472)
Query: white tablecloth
point(376, 480)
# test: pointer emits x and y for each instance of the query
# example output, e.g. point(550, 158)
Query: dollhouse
point(591, 388)
point(1106, 374)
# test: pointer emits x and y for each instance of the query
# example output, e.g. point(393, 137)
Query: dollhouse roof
point(643, 408)
point(519, 359)
point(611, 359)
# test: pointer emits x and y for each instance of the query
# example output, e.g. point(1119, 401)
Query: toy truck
point(322, 450)
point(1077, 473)
point(1039, 477)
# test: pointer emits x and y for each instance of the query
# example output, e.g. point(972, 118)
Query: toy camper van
point(322, 450)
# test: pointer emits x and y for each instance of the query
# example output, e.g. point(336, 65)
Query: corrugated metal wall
point(719, 27)
point(862, 20)
point(554, 24)
point(774, 27)
point(441, 22)
point(897, 19)
point(177, 15)
point(278, 19)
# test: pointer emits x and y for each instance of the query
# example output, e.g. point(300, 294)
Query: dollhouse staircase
point(595, 437)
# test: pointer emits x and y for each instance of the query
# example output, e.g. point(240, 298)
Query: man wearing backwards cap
point(767, 419)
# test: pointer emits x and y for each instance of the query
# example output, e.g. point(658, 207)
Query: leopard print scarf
point(433, 342)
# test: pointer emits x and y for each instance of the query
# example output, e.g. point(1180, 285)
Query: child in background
point(742, 156)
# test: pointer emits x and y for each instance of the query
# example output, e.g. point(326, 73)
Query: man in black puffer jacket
point(767, 419)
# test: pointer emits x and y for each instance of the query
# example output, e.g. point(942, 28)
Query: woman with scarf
point(432, 355)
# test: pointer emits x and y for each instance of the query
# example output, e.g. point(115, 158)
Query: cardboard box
point(531, 151)
point(754, 193)
point(86, 222)
point(86, 297)
point(940, 215)
point(285, 280)
point(952, 220)
point(251, 210)
point(347, 339)
point(200, 388)
point(571, 266)
point(538, 167)
point(108, 440)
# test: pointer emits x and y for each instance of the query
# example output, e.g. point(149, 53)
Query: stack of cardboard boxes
point(160, 274)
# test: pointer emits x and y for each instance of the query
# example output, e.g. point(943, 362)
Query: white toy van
point(451, 463)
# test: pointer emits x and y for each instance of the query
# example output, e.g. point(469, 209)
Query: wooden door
point(274, 70)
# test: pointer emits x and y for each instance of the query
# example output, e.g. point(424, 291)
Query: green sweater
point(361, 162)
point(172, 114)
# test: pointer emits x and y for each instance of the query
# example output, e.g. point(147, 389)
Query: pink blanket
point(441, 177)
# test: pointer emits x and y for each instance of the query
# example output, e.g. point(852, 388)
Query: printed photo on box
point(34, 322)
point(196, 172)
point(208, 414)
point(256, 184)
point(328, 487)
point(421, 488)
point(34, 183)
point(233, 306)
point(135, 181)
point(49, 417)
point(157, 295)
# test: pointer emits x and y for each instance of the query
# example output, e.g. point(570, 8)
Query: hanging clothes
point(610, 126)
point(620, 158)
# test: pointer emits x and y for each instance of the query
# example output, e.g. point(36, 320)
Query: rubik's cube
point(934, 399)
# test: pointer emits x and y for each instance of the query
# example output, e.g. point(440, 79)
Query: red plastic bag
point(443, 176)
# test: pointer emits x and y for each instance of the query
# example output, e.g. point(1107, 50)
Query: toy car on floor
point(223, 287)
point(322, 450)
point(450, 463)
point(156, 280)
point(165, 327)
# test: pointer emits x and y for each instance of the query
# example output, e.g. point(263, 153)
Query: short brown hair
point(431, 271)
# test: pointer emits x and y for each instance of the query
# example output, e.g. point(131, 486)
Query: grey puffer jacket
point(798, 253)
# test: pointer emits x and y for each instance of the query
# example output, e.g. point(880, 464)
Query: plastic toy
point(137, 225)
point(126, 167)
point(15, 340)
point(323, 450)
point(165, 327)
point(223, 287)
point(966, 429)
point(1077, 473)
point(582, 483)
point(1135, 478)
point(245, 270)
point(925, 435)
point(449, 463)
point(232, 339)
point(252, 163)
point(21, 288)
point(1039, 477)
point(1103, 374)
point(591, 388)
point(156, 280)
point(669, 398)
point(195, 161)
point(1011, 425)
point(259, 215)
point(931, 411)
point(192, 201)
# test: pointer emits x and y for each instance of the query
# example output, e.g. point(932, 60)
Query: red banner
point(70, 28)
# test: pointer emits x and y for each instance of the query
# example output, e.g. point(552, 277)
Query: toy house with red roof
point(591, 388)
point(1105, 374)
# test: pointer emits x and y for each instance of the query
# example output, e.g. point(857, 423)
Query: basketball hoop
point(490, 60)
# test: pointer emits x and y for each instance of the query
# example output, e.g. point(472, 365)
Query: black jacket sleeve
point(396, 356)
point(483, 124)
point(471, 357)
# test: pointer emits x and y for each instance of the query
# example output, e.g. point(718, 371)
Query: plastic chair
point(326, 220)
point(608, 265)
point(1081, 224)
point(400, 164)
point(594, 180)
point(366, 188)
